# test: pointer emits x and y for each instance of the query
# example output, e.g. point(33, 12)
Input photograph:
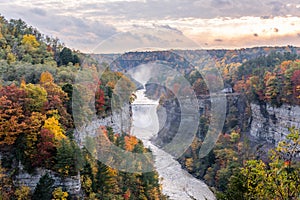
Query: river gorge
point(176, 182)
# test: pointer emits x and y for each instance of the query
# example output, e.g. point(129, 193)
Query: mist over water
point(143, 100)
point(177, 183)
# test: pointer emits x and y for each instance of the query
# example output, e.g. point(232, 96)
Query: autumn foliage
point(276, 87)
point(36, 126)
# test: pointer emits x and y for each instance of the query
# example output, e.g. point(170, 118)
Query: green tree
point(103, 180)
point(44, 188)
point(278, 179)
point(66, 56)
point(272, 89)
point(236, 189)
point(68, 89)
point(68, 158)
point(37, 97)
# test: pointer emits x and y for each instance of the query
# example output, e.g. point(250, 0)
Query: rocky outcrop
point(71, 184)
point(271, 123)
point(120, 121)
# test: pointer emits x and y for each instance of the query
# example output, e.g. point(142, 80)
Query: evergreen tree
point(102, 180)
point(68, 158)
point(44, 188)
point(66, 56)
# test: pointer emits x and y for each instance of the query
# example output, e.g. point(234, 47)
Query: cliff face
point(237, 116)
point(268, 123)
point(71, 184)
point(21, 177)
point(120, 121)
point(271, 124)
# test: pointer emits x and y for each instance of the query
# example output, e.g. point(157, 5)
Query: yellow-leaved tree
point(30, 43)
point(54, 127)
point(23, 193)
point(46, 77)
point(57, 99)
point(59, 194)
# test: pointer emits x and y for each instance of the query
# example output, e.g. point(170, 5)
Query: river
point(177, 183)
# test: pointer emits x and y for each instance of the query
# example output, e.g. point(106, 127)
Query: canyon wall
point(237, 116)
point(260, 122)
point(271, 123)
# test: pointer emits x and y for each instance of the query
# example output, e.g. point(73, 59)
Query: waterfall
point(177, 183)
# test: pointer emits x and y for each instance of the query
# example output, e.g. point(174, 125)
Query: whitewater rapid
point(177, 183)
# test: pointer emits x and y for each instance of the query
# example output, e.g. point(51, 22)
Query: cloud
point(250, 40)
point(87, 34)
point(73, 31)
point(218, 40)
point(266, 17)
point(144, 38)
point(221, 3)
point(277, 7)
point(84, 24)
point(153, 9)
point(167, 27)
point(166, 9)
point(38, 11)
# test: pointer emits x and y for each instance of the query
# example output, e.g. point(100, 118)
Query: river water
point(177, 183)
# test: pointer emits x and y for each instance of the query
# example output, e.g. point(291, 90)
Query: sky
point(116, 26)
